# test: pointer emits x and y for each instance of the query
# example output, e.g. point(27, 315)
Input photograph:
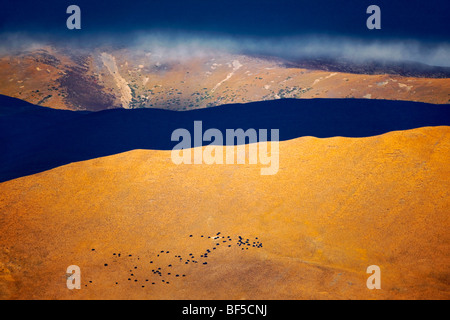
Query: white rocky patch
point(405, 86)
point(125, 92)
point(331, 75)
point(236, 66)
point(317, 81)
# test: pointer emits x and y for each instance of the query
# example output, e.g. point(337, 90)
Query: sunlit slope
point(335, 207)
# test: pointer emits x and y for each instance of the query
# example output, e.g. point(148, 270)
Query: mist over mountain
point(179, 46)
point(410, 30)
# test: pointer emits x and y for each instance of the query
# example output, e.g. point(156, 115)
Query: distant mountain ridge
point(373, 67)
point(106, 78)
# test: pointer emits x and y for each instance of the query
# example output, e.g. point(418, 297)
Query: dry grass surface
point(335, 207)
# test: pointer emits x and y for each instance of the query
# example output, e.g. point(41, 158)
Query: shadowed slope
point(37, 139)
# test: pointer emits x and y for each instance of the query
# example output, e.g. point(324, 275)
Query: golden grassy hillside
point(335, 207)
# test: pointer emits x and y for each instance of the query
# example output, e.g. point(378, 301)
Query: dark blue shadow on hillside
point(35, 139)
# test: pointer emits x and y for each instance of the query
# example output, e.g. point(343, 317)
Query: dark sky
point(413, 19)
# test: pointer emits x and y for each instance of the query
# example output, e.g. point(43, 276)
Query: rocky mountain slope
point(105, 78)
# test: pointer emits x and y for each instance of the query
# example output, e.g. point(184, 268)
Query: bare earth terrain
point(113, 78)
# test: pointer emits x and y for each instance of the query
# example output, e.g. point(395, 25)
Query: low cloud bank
point(179, 46)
